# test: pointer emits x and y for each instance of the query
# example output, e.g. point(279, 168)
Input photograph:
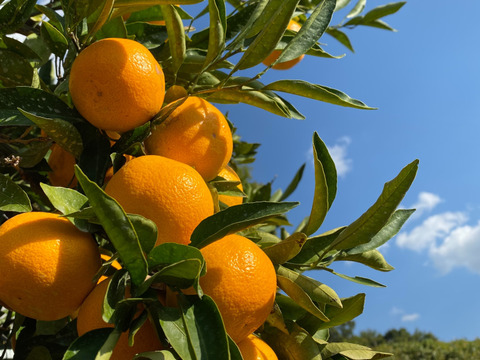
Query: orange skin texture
point(90, 318)
point(229, 174)
point(242, 281)
point(170, 193)
point(254, 348)
point(62, 164)
point(47, 265)
point(294, 26)
point(116, 84)
point(196, 133)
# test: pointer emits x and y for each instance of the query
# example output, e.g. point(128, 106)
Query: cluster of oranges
point(47, 264)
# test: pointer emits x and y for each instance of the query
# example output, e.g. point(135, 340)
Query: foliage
point(36, 110)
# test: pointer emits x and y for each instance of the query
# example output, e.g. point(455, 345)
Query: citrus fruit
point(294, 26)
point(90, 318)
point(254, 348)
point(116, 84)
point(168, 192)
point(196, 133)
point(241, 280)
point(175, 92)
point(229, 174)
point(62, 164)
point(47, 265)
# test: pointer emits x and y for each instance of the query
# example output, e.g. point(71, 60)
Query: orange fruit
point(254, 348)
point(90, 318)
point(115, 264)
point(62, 164)
point(116, 84)
point(229, 174)
point(294, 26)
point(196, 133)
point(168, 192)
point(47, 265)
point(174, 93)
point(242, 281)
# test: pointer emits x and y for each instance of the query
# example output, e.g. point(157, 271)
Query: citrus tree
point(130, 223)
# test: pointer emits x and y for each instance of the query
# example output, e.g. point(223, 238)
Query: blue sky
point(424, 80)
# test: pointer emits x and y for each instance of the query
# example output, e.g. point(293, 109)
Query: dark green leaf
point(64, 200)
point(341, 37)
point(236, 218)
point(316, 92)
point(53, 17)
point(352, 307)
point(362, 230)
point(113, 28)
point(170, 253)
point(118, 227)
point(146, 231)
point(12, 197)
point(293, 184)
point(54, 39)
point(205, 328)
point(16, 71)
point(283, 251)
point(391, 228)
point(62, 132)
point(14, 14)
point(383, 10)
point(216, 38)
point(269, 36)
point(156, 355)
point(77, 10)
point(88, 345)
point(310, 32)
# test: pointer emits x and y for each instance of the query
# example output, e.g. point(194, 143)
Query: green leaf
point(235, 353)
point(205, 328)
point(170, 253)
point(88, 345)
point(155, 355)
point(359, 280)
point(316, 290)
point(16, 71)
point(270, 35)
point(53, 17)
point(12, 197)
point(316, 92)
point(148, 3)
point(341, 37)
point(77, 10)
point(362, 230)
point(315, 246)
point(113, 28)
point(310, 32)
point(325, 185)
point(352, 307)
point(267, 101)
point(236, 218)
point(357, 9)
point(118, 227)
point(341, 4)
point(14, 14)
point(54, 39)
point(62, 132)
point(297, 345)
point(383, 10)
point(146, 231)
point(352, 351)
point(285, 250)
point(293, 184)
point(216, 39)
point(34, 101)
point(371, 258)
point(63, 199)
point(391, 228)
point(176, 35)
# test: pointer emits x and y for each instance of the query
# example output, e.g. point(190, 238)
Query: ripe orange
point(196, 133)
point(90, 318)
point(47, 265)
point(168, 192)
point(175, 92)
point(62, 164)
point(294, 26)
point(241, 280)
point(229, 174)
point(116, 84)
point(254, 348)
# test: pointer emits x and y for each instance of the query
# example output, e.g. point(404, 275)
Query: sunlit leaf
point(176, 36)
point(341, 37)
point(63, 199)
point(371, 258)
point(88, 345)
point(283, 251)
point(352, 307)
point(357, 9)
point(54, 39)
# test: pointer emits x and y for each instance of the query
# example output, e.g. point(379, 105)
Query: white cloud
point(426, 202)
point(433, 230)
point(338, 152)
point(410, 317)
